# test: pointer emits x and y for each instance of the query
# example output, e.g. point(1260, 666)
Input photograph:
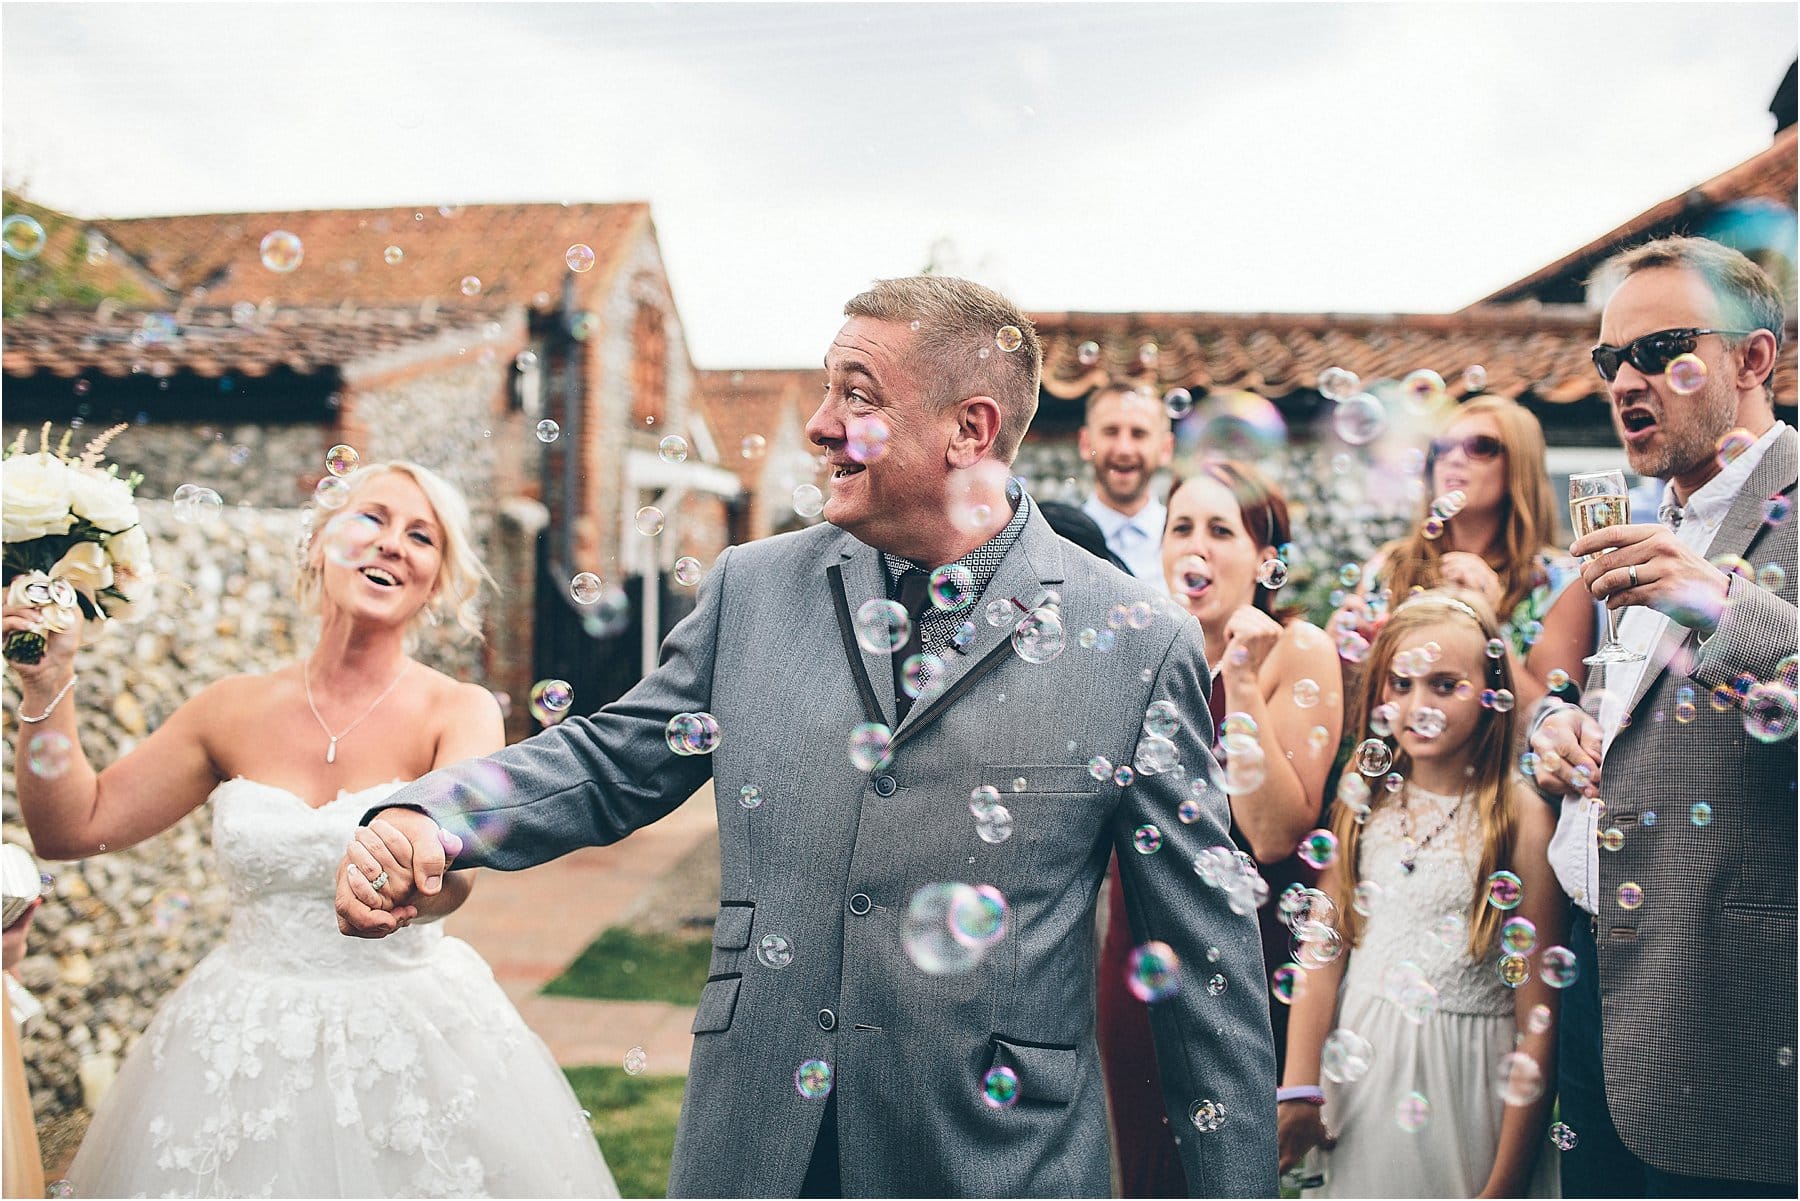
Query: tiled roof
point(1770, 175)
point(516, 251)
point(1539, 356)
point(71, 250)
point(737, 404)
point(215, 342)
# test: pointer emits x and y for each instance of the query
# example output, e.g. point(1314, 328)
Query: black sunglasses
point(1480, 447)
point(1652, 353)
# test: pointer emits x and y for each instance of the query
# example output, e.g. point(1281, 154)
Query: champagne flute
point(1597, 501)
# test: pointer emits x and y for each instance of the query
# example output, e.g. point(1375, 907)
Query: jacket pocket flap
point(1047, 1074)
point(731, 931)
point(718, 1001)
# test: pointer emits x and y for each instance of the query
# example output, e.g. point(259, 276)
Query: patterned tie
point(915, 596)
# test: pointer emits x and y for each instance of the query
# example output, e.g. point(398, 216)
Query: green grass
point(623, 965)
point(634, 1119)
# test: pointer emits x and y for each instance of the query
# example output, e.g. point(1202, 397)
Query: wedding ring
point(379, 882)
point(1632, 572)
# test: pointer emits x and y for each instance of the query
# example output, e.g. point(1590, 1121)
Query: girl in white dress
point(1420, 1060)
point(294, 1061)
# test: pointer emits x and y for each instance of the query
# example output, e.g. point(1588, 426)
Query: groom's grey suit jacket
point(830, 858)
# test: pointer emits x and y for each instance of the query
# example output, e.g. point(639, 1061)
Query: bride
point(294, 1061)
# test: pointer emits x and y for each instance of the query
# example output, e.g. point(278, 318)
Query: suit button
point(859, 903)
point(884, 786)
point(827, 1020)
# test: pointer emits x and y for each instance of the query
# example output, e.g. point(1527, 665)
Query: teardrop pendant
point(331, 752)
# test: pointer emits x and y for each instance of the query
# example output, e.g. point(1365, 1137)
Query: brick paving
point(530, 925)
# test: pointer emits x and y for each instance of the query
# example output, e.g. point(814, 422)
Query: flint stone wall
point(117, 932)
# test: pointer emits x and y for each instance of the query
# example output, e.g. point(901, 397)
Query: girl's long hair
point(1530, 518)
point(1490, 757)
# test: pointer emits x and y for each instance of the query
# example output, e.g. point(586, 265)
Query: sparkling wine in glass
point(1597, 501)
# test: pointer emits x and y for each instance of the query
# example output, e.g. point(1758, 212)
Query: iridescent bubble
point(1319, 849)
point(1700, 814)
point(882, 626)
point(392, 256)
point(1161, 719)
point(1139, 615)
point(1558, 967)
point(1518, 935)
point(1769, 712)
point(579, 257)
point(1318, 738)
point(1365, 896)
point(1188, 811)
point(687, 571)
point(59, 1188)
point(750, 796)
point(754, 446)
point(1306, 693)
point(1153, 972)
point(635, 1061)
point(170, 910)
point(1346, 1056)
point(1154, 756)
point(1272, 574)
point(1432, 528)
point(1008, 338)
point(548, 430)
point(281, 251)
point(1207, 1115)
point(1215, 985)
point(49, 754)
point(21, 237)
point(1562, 1137)
point(649, 521)
point(1504, 890)
point(586, 588)
point(812, 1079)
point(1178, 402)
point(673, 449)
point(1771, 577)
point(994, 825)
point(1423, 389)
point(1426, 722)
point(1147, 839)
point(1147, 354)
point(470, 286)
point(550, 700)
point(1359, 419)
point(866, 438)
point(1039, 638)
point(1373, 757)
point(1000, 1087)
point(342, 459)
point(1734, 443)
point(1631, 895)
point(1407, 986)
point(1686, 374)
point(1235, 425)
point(979, 917)
point(1557, 680)
point(869, 744)
point(348, 537)
point(1337, 384)
point(926, 931)
point(1237, 725)
point(1475, 379)
point(952, 588)
point(203, 504)
point(1538, 1020)
point(1514, 969)
point(1413, 1113)
point(1087, 354)
point(1284, 981)
point(998, 611)
point(1518, 1080)
point(775, 950)
point(1503, 700)
point(808, 500)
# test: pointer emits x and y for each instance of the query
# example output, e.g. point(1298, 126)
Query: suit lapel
point(1743, 522)
point(864, 580)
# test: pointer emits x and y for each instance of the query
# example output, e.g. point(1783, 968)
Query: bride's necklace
point(331, 750)
point(1410, 846)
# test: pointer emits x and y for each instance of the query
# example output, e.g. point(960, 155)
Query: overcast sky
point(1235, 157)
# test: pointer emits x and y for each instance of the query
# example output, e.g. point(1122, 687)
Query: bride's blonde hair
point(460, 573)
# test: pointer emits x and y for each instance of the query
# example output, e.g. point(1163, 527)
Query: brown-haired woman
point(1497, 546)
point(1279, 672)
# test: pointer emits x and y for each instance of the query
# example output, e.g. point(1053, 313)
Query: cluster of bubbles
point(1443, 508)
point(550, 700)
point(993, 821)
point(195, 503)
point(692, 733)
point(950, 926)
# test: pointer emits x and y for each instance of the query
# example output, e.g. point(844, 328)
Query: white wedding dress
point(296, 1061)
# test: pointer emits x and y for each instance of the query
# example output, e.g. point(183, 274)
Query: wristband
point(1312, 1094)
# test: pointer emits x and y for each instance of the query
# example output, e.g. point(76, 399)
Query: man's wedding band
point(379, 882)
point(1632, 572)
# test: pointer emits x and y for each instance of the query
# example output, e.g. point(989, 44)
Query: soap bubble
point(1359, 420)
point(470, 286)
point(1373, 757)
point(1087, 354)
point(1518, 935)
point(1631, 895)
point(808, 500)
point(882, 626)
point(1558, 967)
point(1306, 694)
point(649, 521)
point(812, 1079)
point(548, 430)
point(1272, 574)
point(1319, 849)
point(550, 699)
point(1769, 712)
point(1686, 374)
point(586, 588)
point(750, 796)
point(673, 449)
point(1039, 638)
point(1178, 402)
point(1009, 338)
point(952, 588)
point(1284, 982)
point(1147, 839)
point(202, 504)
point(1475, 379)
point(687, 571)
point(1518, 1080)
point(1162, 719)
point(927, 933)
point(1207, 1115)
point(869, 744)
point(635, 1061)
point(866, 438)
point(754, 446)
point(341, 459)
point(1346, 1056)
point(1514, 969)
point(579, 257)
point(1236, 425)
point(1504, 890)
point(994, 824)
point(1413, 1112)
point(979, 917)
point(1423, 389)
point(281, 251)
point(1562, 1137)
point(775, 951)
point(21, 237)
point(1153, 972)
point(1337, 384)
point(392, 256)
point(49, 754)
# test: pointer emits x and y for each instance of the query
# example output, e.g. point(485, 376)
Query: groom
point(953, 1029)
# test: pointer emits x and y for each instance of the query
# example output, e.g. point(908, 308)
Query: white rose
point(34, 497)
point(102, 499)
point(133, 575)
point(130, 551)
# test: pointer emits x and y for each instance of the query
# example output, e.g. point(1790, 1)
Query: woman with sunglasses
point(1496, 545)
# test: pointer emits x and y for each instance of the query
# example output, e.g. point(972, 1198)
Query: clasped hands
point(393, 865)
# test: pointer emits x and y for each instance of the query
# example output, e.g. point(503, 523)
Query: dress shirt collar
point(1712, 500)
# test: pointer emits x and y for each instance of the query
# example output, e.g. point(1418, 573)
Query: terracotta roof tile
point(71, 248)
point(737, 404)
point(516, 251)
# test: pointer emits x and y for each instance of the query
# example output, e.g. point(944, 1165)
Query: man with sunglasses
point(1677, 776)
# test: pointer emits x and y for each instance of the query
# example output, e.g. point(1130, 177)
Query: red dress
point(1149, 1163)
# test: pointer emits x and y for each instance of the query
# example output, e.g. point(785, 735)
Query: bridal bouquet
point(73, 548)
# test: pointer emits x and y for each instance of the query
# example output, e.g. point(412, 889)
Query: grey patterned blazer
point(1697, 983)
point(830, 858)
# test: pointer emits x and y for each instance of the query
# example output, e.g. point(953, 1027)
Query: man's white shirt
point(1136, 538)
